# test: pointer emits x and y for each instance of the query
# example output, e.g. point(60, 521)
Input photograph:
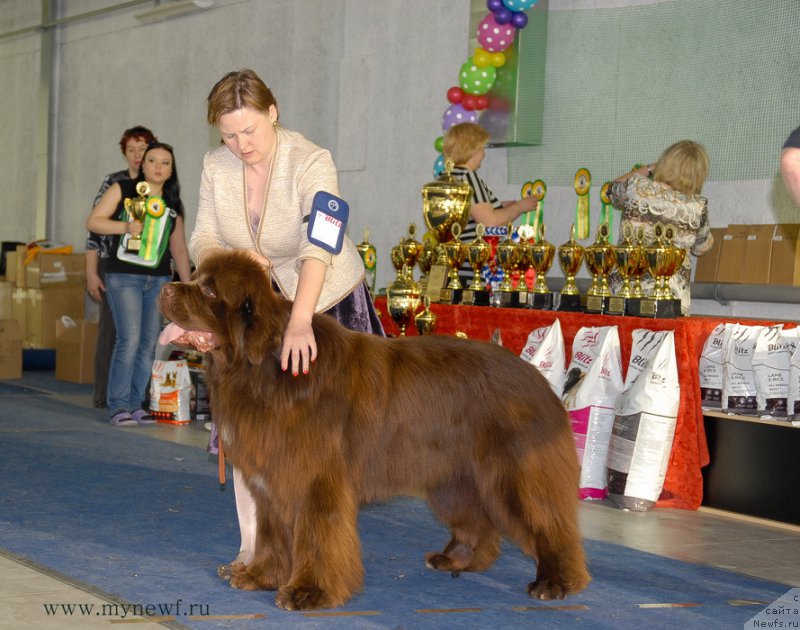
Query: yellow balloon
point(481, 58)
point(498, 60)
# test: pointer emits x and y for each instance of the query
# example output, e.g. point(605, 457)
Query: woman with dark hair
point(133, 142)
point(134, 280)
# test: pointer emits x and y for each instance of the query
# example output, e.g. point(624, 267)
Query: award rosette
point(369, 256)
point(583, 182)
point(607, 210)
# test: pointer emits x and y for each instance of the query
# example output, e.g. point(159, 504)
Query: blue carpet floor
point(142, 521)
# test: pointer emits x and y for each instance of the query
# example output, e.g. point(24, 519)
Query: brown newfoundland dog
point(474, 429)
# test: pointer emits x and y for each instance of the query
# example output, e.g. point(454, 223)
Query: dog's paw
point(547, 589)
point(301, 598)
point(443, 562)
point(225, 571)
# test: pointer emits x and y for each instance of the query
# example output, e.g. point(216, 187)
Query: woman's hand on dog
point(299, 345)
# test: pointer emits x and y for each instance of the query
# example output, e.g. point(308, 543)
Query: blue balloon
point(519, 5)
point(438, 166)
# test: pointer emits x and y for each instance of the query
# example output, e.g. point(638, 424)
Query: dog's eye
point(207, 291)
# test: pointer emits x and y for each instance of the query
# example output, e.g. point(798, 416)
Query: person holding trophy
point(144, 218)
point(465, 145)
point(668, 192)
point(257, 193)
point(98, 246)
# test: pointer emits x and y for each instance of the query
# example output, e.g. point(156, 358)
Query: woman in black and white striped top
point(465, 145)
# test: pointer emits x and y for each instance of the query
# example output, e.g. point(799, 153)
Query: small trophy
point(406, 252)
point(508, 253)
point(525, 262)
point(370, 258)
point(136, 209)
point(542, 255)
point(455, 253)
point(631, 264)
point(402, 298)
point(570, 255)
point(478, 254)
point(425, 260)
point(426, 320)
point(662, 260)
point(599, 258)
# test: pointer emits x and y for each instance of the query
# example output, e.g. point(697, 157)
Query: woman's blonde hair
point(238, 89)
point(683, 167)
point(462, 141)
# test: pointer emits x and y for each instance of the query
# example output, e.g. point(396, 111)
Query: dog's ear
point(259, 333)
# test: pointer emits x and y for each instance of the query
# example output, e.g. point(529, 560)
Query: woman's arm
point(489, 216)
point(299, 344)
point(100, 221)
point(180, 254)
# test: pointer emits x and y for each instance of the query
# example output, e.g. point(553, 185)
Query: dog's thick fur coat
point(474, 429)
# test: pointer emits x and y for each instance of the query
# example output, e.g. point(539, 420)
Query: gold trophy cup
point(136, 209)
point(402, 298)
point(406, 252)
point(600, 260)
point(478, 254)
point(445, 203)
point(542, 256)
point(662, 263)
point(455, 253)
point(630, 261)
point(426, 320)
point(570, 256)
point(508, 254)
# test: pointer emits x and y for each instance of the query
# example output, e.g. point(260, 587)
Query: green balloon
point(438, 144)
point(475, 80)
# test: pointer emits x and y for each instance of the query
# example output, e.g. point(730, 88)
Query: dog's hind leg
point(475, 543)
point(326, 555)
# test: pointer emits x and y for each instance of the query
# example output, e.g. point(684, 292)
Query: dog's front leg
point(326, 557)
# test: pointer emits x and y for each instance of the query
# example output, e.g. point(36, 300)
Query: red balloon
point(481, 102)
point(470, 102)
point(455, 95)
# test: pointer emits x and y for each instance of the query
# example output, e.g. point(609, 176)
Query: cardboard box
point(6, 301)
point(75, 346)
point(705, 269)
point(43, 307)
point(48, 270)
point(15, 265)
point(10, 349)
point(731, 254)
point(785, 261)
point(758, 254)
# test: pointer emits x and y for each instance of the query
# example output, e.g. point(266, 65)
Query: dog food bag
point(644, 422)
point(171, 392)
point(593, 382)
point(771, 364)
point(711, 361)
point(545, 351)
point(793, 400)
point(738, 378)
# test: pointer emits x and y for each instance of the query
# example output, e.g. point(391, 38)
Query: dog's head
point(229, 309)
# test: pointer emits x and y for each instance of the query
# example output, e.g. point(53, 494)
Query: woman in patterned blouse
point(668, 192)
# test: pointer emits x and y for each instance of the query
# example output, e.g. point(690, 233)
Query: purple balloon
point(519, 19)
point(457, 114)
point(503, 16)
point(495, 5)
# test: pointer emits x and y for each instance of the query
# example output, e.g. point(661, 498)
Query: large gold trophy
point(478, 254)
point(402, 298)
point(542, 255)
point(631, 264)
point(663, 261)
point(445, 203)
point(508, 255)
point(570, 255)
point(599, 259)
point(137, 208)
